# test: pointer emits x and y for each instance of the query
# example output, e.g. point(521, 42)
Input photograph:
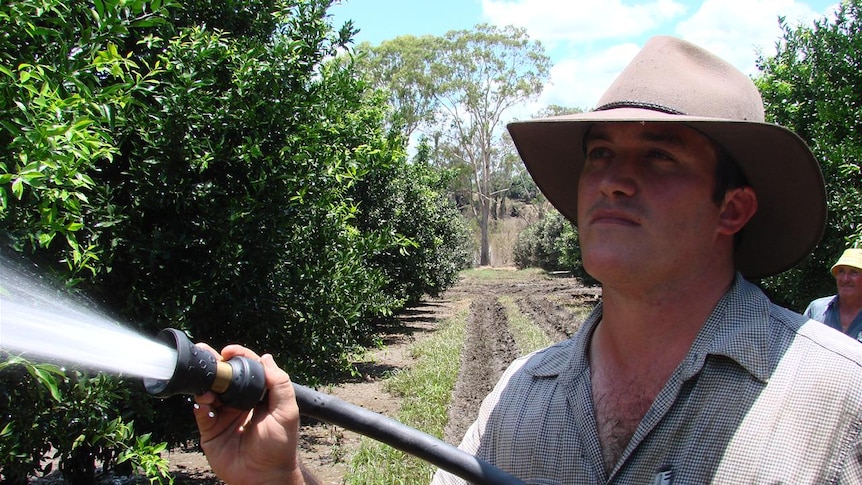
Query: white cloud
point(580, 81)
point(737, 30)
point(582, 21)
point(590, 42)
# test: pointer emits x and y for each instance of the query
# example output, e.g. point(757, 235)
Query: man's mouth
point(613, 216)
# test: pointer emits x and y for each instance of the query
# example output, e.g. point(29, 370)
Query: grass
point(579, 308)
point(528, 337)
point(426, 387)
point(426, 390)
point(498, 274)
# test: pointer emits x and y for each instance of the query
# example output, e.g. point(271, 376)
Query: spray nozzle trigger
point(238, 381)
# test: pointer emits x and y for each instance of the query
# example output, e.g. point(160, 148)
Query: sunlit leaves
point(62, 116)
point(206, 168)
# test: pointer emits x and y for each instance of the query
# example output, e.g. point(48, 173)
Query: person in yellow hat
point(842, 311)
point(686, 373)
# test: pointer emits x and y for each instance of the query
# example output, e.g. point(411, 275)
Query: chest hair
point(621, 401)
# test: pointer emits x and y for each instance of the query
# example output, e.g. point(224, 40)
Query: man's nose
point(619, 178)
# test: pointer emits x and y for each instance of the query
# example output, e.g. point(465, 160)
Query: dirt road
point(556, 305)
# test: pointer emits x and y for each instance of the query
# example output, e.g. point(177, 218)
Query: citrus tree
point(813, 85)
point(204, 166)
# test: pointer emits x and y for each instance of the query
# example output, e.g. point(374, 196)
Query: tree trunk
point(484, 245)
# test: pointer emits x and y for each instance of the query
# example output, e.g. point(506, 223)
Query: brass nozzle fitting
point(239, 382)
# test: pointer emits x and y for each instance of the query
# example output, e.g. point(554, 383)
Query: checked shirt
point(763, 396)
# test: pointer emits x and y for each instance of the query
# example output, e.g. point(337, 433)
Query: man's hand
point(252, 447)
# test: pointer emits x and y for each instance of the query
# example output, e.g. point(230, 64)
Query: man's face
point(849, 282)
point(645, 207)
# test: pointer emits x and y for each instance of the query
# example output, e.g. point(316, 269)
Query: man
point(685, 373)
point(842, 311)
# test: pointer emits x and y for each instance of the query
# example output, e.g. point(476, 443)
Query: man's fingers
point(235, 350)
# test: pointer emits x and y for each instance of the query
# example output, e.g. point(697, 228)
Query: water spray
point(240, 384)
point(39, 321)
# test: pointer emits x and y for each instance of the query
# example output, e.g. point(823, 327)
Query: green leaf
point(6, 432)
point(44, 376)
point(100, 8)
point(18, 188)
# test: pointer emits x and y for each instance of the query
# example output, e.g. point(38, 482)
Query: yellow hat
point(851, 257)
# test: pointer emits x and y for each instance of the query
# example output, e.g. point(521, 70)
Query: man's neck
point(658, 320)
point(640, 340)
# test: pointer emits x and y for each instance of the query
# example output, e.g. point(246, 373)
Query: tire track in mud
point(556, 321)
point(488, 349)
point(489, 346)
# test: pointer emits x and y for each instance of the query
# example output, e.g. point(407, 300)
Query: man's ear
point(738, 208)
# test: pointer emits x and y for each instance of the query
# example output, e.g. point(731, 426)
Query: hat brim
point(791, 195)
point(850, 257)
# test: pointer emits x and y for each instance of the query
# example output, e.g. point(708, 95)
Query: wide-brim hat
point(851, 257)
point(671, 80)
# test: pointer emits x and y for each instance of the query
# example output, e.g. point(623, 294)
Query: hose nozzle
point(239, 382)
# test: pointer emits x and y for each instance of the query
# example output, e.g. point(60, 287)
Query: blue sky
point(590, 41)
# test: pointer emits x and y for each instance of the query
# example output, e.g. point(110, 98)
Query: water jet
point(40, 322)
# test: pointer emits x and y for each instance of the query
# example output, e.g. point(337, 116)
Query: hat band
point(639, 104)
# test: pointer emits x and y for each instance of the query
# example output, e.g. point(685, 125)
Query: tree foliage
point(813, 85)
point(403, 67)
point(206, 167)
point(552, 245)
point(73, 418)
point(411, 204)
point(65, 88)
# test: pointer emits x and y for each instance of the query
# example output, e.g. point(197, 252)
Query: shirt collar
point(737, 328)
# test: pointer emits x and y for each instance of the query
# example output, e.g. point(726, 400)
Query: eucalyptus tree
point(458, 89)
point(402, 67)
point(481, 75)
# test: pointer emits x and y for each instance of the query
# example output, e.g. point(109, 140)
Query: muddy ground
point(555, 304)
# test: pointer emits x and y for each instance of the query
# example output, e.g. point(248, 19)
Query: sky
point(591, 41)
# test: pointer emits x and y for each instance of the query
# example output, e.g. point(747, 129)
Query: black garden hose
point(239, 382)
point(400, 436)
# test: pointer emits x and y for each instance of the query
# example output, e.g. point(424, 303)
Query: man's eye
point(598, 153)
point(660, 155)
